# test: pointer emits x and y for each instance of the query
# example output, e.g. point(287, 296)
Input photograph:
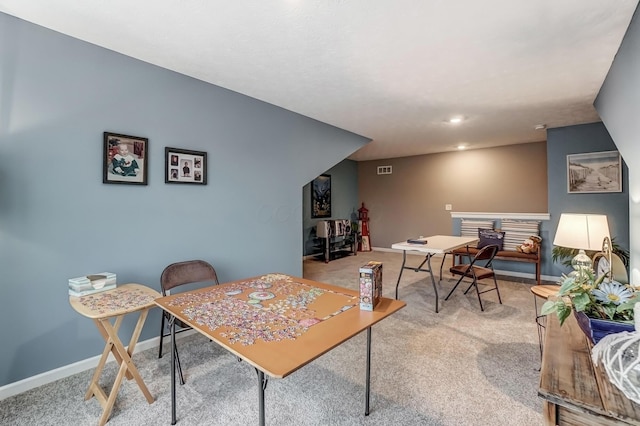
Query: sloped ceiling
point(393, 71)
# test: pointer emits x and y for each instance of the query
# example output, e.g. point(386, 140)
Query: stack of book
point(89, 284)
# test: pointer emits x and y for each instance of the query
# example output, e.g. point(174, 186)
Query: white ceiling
point(392, 71)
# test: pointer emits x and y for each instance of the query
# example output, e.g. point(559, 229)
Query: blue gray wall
point(57, 220)
point(344, 201)
point(618, 103)
point(586, 138)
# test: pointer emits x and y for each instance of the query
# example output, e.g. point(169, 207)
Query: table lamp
point(583, 232)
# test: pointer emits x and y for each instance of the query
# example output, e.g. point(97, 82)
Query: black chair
point(175, 275)
point(478, 268)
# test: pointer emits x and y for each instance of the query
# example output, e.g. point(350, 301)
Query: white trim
point(33, 382)
point(521, 216)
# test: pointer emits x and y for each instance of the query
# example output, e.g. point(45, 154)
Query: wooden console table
point(575, 392)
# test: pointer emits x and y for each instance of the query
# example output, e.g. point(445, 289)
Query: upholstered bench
point(506, 255)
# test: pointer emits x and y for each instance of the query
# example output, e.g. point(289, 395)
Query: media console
point(336, 238)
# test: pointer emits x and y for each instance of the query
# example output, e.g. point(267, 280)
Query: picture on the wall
point(321, 196)
point(185, 166)
point(594, 172)
point(125, 159)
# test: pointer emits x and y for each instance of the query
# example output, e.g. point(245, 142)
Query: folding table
point(105, 307)
point(277, 323)
point(430, 246)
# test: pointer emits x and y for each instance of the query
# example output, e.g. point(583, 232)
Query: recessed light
point(540, 126)
point(455, 120)
point(461, 147)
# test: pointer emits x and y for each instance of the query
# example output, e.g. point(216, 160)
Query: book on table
point(417, 241)
point(93, 283)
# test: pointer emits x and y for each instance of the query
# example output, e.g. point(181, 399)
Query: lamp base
point(581, 261)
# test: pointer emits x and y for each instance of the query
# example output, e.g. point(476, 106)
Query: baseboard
point(69, 370)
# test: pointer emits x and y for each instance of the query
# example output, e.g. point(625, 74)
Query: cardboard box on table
point(370, 285)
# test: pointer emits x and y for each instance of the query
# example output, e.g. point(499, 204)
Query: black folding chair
point(177, 274)
point(478, 268)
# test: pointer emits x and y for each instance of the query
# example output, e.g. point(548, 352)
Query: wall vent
point(385, 170)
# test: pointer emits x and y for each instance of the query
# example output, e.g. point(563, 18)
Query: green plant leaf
point(581, 301)
point(549, 307)
point(609, 311)
point(563, 313)
point(568, 286)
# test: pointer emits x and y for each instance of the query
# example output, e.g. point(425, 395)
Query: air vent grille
point(385, 170)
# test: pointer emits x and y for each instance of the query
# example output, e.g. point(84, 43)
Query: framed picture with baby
point(125, 159)
point(185, 166)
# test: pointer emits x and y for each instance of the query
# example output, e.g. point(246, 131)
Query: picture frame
point(594, 172)
point(185, 166)
point(125, 159)
point(321, 196)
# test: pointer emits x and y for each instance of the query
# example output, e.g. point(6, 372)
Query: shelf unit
point(335, 247)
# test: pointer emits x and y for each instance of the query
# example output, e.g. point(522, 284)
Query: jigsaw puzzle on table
point(271, 308)
point(112, 301)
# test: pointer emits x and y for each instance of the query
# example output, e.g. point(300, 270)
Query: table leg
point(94, 387)
point(127, 364)
point(262, 385)
point(404, 260)
point(123, 356)
point(433, 279)
point(444, 256)
point(368, 380)
point(427, 260)
point(549, 413)
point(172, 327)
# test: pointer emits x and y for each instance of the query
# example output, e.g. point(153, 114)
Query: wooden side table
point(103, 308)
point(575, 392)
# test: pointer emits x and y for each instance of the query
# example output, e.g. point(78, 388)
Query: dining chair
point(479, 268)
point(175, 275)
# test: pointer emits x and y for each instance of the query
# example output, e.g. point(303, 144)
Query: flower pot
point(595, 329)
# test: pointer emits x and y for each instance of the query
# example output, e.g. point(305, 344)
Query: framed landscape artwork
point(594, 172)
point(125, 159)
point(321, 196)
point(185, 166)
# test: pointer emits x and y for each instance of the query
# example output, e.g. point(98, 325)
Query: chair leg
point(161, 335)
point(469, 288)
point(454, 287)
point(475, 284)
point(497, 289)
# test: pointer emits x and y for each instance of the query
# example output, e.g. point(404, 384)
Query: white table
point(436, 244)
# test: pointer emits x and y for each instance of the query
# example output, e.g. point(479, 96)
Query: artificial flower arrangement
point(595, 296)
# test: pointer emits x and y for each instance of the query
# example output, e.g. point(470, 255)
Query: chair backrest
point(486, 253)
point(187, 272)
point(619, 271)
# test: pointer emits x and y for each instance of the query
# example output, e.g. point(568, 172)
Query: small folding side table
point(105, 307)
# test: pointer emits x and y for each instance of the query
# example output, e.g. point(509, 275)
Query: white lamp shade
point(582, 231)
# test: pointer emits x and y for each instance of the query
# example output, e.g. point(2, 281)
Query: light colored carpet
point(458, 367)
